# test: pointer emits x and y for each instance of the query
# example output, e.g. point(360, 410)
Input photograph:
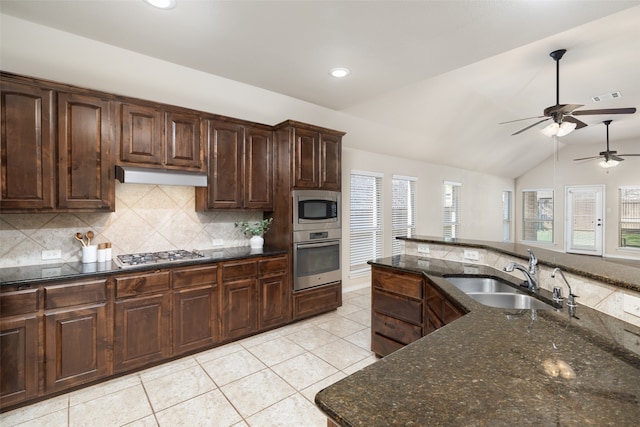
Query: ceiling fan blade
point(561, 108)
point(614, 157)
point(623, 155)
point(587, 158)
point(630, 110)
point(530, 126)
point(579, 123)
point(519, 120)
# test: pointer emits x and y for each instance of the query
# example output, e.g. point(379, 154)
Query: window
point(537, 215)
point(403, 210)
point(451, 210)
point(506, 215)
point(629, 217)
point(365, 230)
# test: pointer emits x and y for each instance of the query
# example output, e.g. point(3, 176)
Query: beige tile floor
point(269, 379)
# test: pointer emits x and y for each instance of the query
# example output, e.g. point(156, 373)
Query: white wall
point(481, 199)
point(42, 52)
point(561, 171)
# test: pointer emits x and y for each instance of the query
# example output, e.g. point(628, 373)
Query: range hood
point(134, 175)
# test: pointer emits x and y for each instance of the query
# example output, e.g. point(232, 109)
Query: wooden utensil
point(89, 236)
point(79, 238)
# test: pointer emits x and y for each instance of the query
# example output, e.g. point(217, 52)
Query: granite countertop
point(621, 273)
point(30, 274)
point(495, 367)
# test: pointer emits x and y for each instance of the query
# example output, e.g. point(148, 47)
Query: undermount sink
point(481, 284)
point(513, 301)
point(496, 293)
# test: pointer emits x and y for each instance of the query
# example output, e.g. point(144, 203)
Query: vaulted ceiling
point(445, 71)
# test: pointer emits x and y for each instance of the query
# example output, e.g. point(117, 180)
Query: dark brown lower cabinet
point(18, 359)
point(75, 346)
point(405, 307)
point(275, 292)
point(316, 300)
point(142, 323)
point(239, 308)
point(195, 308)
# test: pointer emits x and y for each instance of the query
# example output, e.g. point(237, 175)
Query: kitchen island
point(496, 367)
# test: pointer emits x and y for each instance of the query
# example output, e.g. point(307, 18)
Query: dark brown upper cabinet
point(27, 160)
point(315, 155)
point(42, 173)
point(153, 135)
point(85, 162)
point(240, 168)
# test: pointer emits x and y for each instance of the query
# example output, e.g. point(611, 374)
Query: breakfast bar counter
point(496, 367)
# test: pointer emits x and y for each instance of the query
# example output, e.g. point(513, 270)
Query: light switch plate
point(423, 249)
point(471, 255)
point(51, 254)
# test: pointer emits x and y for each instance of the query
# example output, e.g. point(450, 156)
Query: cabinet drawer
point(397, 306)
point(142, 284)
point(74, 294)
point(398, 282)
point(191, 277)
point(396, 329)
point(383, 346)
point(239, 269)
point(275, 265)
point(18, 302)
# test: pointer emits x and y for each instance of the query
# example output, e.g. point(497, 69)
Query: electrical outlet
point(471, 255)
point(52, 254)
point(218, 242)
point(423, 249)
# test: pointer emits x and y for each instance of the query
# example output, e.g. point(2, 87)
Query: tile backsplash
point(147, 218)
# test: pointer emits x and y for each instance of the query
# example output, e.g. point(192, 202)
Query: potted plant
point(255, 230)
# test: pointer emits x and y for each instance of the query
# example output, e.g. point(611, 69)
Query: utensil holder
point(89, 254)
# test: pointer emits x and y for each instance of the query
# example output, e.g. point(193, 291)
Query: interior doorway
point(584, 219)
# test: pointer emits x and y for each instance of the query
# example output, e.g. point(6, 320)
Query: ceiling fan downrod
point(557, 56)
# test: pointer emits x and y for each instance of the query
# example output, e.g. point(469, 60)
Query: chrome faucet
point(533, 263)
point(557, 294)
point(531, 283)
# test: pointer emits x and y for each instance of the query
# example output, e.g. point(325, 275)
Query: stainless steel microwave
point(316, 209)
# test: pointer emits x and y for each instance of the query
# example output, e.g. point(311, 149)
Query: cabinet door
point(141, 134)
point(258, 169)
point(239, 308)
point(85, 178)
point(330, 165)
point(75, 346)
point(226, 180)
point(305, 159)
point(274, 301)
point(195, 318)
point(18, 359)
point(183, 141)
point(142, 331)
point(27, 148)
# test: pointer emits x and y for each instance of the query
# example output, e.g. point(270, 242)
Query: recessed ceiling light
point(162, 4)
point(339, 72)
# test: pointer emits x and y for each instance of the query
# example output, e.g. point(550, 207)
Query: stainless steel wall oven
point(316, 258)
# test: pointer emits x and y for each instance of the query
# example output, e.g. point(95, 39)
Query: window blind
point(365, 228)
point(451, 210)
point(506, 215)
point(403, 210)
point(629, 217)
point(537, 215)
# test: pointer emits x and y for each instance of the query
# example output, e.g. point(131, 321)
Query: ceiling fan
point(563, 114)
point(610, 158)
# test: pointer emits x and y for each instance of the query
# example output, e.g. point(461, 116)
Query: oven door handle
point(318, 245)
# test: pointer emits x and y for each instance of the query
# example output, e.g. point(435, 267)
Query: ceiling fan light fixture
point(555, 129)
point(604, 163)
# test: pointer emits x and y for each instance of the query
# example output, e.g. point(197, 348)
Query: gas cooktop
point(164, 257)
